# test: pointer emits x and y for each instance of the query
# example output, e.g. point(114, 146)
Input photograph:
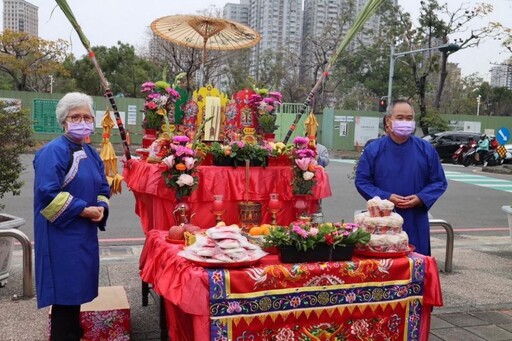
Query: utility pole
point(51, 84)
point(478, 105)
point(394, 56)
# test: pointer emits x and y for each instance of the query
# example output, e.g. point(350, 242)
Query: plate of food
point(222, 247)
point(225, 265)
point(375, 254)
point(175, 241)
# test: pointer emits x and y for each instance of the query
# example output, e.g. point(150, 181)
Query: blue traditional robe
point(413, 167)
point(68, 178)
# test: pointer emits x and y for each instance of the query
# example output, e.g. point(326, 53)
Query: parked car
point(508, 157)
point(446, 143)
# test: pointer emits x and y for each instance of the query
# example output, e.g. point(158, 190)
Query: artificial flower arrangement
point(180, 164)
point(239, 151)
point(307, 236)
point(265, 103)
point(304, 166)
point(280, 149)
point(159, 104)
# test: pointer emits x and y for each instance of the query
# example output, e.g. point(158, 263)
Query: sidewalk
point(477, 295)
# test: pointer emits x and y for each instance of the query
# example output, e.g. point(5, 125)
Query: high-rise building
point(325, 22)
point(501, 76)
point(237, 12)
point(279, 24)
point(21, 16)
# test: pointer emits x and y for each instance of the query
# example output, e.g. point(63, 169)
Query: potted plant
point(158, 109)
point(306, 242)
point(15, 139)
point(265, 103)
point(221, 154)
point(256, 154)
point(267, 123)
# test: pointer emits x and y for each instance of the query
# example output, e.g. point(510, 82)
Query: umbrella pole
point(203, 62)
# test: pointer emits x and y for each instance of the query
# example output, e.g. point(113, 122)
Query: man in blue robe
point(405, 170)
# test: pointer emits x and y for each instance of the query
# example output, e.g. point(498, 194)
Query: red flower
point(329, 240)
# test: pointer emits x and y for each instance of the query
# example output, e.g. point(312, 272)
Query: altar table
point(378, 299)
point(154, 202)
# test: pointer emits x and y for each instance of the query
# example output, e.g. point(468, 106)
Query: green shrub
point(15, 139)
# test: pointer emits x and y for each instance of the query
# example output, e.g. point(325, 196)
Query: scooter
point(491, 158)
point(458, 155)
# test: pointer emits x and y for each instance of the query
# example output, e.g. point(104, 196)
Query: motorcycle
point(491, 158)
point(458, 155)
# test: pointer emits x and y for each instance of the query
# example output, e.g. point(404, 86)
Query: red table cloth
point(154, 202)
point(362, 299)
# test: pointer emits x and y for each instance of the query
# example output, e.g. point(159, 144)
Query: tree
point(25, 59)
point(15, 139)
point(436, 25)
point(123, 69)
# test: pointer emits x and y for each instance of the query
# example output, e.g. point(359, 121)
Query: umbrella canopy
point(205, 33)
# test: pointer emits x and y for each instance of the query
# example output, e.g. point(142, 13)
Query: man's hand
point(94, 213)
point(409, 201)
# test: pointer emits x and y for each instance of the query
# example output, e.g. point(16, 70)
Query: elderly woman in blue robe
point(71, 200)
point(404, 169)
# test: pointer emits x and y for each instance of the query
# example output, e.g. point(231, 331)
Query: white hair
point(72, 101)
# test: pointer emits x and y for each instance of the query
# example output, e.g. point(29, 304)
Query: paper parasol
point(206, 33)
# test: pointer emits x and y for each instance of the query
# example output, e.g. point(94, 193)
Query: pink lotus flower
point(169, 161)
point(189, 162)
point(303, 163)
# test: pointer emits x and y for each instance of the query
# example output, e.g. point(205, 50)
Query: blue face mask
point(80, 130)
point(403, 128)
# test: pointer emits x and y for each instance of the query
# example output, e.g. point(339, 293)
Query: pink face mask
point(403, 128)
point(80, 130)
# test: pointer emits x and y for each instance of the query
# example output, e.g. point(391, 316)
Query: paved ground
point(477, 294)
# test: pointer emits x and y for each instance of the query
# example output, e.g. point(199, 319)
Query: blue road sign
point(503, 135)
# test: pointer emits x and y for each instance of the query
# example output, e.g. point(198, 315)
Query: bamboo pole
point(108, 93)
point(368, 10)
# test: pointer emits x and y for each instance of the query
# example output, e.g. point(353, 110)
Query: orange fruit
point(255, 231)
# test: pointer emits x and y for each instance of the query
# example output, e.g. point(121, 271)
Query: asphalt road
point(471, 206)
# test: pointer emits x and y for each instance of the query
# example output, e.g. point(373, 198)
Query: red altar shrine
point(155, 202)
point(378, 299)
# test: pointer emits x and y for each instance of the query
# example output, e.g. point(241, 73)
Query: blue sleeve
point(436, 184)
point(364, 180)
point(50, 167)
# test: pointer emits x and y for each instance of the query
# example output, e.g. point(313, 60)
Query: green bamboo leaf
point(369, 9)
point(71, 17)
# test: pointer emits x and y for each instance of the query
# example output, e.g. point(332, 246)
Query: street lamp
point(478, 105)
point(394, 56)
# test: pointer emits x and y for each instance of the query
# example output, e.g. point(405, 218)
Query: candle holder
point(274, 207)
point(218, 207)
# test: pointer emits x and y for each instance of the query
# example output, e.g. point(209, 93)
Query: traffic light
point(383, 105)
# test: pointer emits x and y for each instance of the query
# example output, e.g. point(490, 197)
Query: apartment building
point(21, 16)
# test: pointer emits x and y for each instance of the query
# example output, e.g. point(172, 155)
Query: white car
point(508, 158)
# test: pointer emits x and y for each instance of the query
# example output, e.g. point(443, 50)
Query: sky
point(105, 22)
